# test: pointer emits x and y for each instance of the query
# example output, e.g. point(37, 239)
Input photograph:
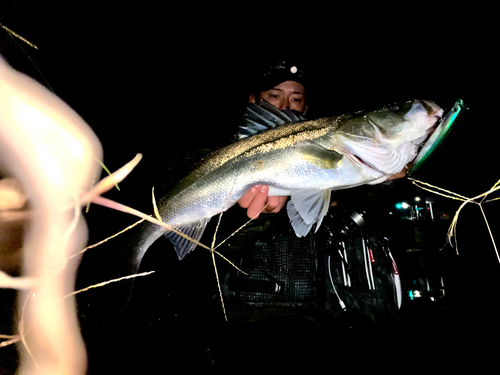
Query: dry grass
point(479, 200)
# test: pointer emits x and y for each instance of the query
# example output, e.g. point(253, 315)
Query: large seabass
point(305, 160)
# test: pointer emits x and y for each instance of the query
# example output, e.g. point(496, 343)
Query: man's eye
point(297, 100)
point(273, 96)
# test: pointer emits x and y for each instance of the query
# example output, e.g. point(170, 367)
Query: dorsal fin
point(260, 118)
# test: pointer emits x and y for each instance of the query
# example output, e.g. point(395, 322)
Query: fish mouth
point(439, 132)
point(434, 118)
point(433, 110)
point(428, 120)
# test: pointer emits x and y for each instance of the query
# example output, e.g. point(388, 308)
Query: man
point(285, 271)
point(284, 85)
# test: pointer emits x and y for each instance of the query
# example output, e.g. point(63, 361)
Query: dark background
point(171, 82)
point(180, 77)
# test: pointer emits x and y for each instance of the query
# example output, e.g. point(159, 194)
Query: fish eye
point(400, 105)
point(393, 107)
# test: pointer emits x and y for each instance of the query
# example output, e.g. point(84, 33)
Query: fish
point(303, 159)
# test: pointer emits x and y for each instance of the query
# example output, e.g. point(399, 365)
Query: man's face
point(289, 94)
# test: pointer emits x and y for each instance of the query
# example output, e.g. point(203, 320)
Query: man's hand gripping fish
point(304, 160)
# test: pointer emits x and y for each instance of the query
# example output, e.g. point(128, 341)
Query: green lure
point(439, 135)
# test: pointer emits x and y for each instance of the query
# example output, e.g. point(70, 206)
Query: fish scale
point(305, 160)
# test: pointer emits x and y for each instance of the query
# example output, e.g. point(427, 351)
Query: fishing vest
point(345, 269)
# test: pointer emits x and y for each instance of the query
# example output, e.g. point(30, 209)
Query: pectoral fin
point(307, 207)
point(182, 245)
point(318, 155)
